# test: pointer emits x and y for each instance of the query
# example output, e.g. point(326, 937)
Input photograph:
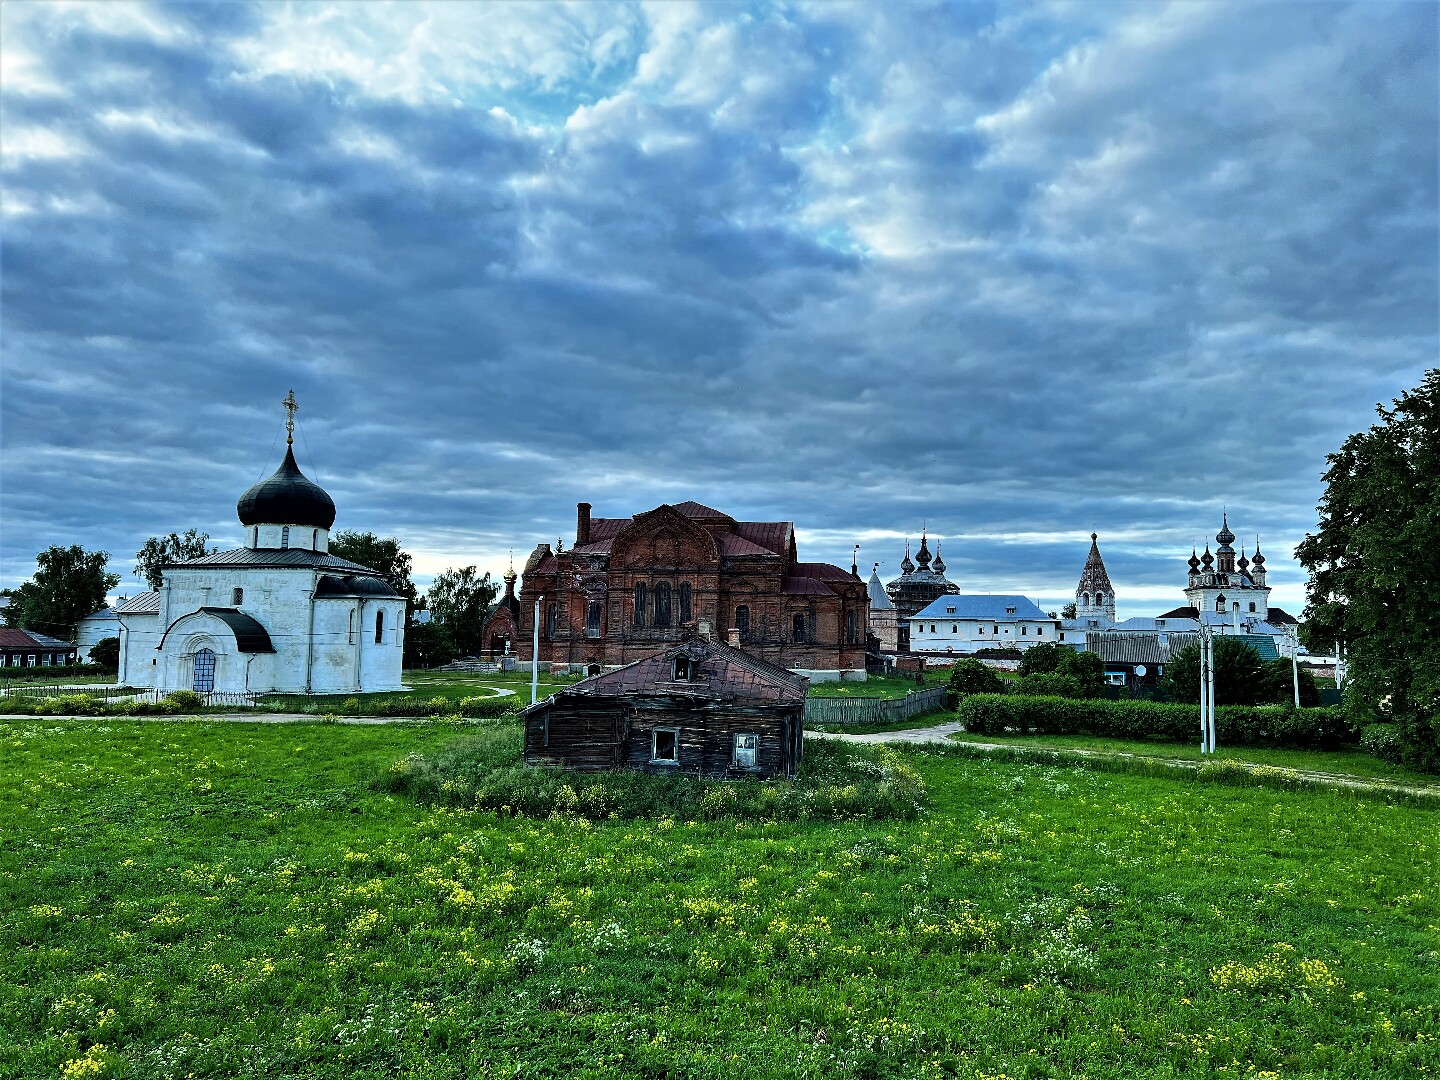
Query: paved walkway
point(941, 733)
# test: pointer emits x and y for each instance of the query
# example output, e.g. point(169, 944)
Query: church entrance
point(204, 681)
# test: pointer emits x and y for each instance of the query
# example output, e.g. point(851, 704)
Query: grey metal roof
point(274, 557)
point(250, 636)
point(993, 608)
point(288, 497)
point(1133, 648)
point(145, 603)
point(879, 600)
point(349, 585)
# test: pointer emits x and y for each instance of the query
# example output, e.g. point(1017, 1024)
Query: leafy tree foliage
point(1050, 684)
point(1052, 658)
point(459, 600)
point(1239, 674)
point(105, 653)
point(970, 676)
point(384, 556)
point(1279, 676)
point(160, 551)
point(428, 645)
point(1373, 563)
point(69, 583)
point(1068, 611)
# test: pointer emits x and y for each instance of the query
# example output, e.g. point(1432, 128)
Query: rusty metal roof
point(692, 509)
point(721, 674)
point(805, 586)
point(772, 535)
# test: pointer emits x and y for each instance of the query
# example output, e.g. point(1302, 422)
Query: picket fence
point(873, 710)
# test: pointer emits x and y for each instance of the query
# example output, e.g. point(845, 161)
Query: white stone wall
point(305, 537)
point(335, 657)
point(969, 635)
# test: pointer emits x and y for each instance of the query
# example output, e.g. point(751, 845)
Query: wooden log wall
point(862, 710)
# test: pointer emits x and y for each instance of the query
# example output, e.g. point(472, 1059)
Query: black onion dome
point(287, 498)
point(1225, 536)
point(1194, 563)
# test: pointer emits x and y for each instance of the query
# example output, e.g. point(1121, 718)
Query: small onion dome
point(1225, 537)
point(287, 498)
point(1244, 563)
point(939, 564)
point(1259, 559)
point(1194, 561)
point(1207, 559)
point(906, 566)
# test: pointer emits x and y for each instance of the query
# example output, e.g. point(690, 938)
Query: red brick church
point(632, 586)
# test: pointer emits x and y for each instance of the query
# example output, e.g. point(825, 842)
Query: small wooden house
point(700, 708)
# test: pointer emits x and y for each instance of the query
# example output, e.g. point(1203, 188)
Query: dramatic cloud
point(1015, 273)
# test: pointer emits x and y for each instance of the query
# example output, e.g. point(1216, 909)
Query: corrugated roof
point(996, 608)
point(722, 673)
point(771, 535)
point(1128, 648)
point(731, 544)
point(145, 603)
point(823, 570)
point(1180, 613)
point(274, 557)
point(805, 586)
point(606, 528)
point(12, 637)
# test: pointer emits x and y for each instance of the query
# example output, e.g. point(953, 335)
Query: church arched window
point(379, 626)
point(640, 599)
point(352, 627)
point(315, 540)
point(662, 604)
point(284, 536)
point(742, 621)
point(685, 612)
point(1220, 603)
point(1084, 599)
point(1099, 598)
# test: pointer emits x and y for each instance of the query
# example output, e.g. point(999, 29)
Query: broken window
point(662, 604)
point(640, 603)
point(747, 747)
point(742, 622)
point(685, 612)
point(592, 619)
point(552, 620)
point(665, 746)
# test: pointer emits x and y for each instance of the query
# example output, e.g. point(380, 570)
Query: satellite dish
point(1140, 670)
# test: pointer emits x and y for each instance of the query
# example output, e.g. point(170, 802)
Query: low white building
point(965, 624)
point(95, 628)
point(278, 614)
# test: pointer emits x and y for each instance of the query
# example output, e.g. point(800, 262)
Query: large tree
point(1374, 562)
point(459, 600)
point(381, 554)
point(160, 551)
point(69, 583)
point(1239, 674)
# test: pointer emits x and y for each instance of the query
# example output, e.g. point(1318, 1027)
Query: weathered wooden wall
point(862, 710)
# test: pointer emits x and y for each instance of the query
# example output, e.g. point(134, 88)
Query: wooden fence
point(872, 710)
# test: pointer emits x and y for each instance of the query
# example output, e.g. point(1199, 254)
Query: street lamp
point(535, 654)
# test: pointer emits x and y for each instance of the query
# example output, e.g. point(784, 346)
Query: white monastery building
point(965, 624)
point(279, 614)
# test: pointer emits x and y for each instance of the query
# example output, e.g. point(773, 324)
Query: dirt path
point(941, 733)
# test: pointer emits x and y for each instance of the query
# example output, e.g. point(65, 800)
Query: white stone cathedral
point(278, 615)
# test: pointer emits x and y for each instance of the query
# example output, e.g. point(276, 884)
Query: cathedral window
point(851, 628)
point(1084, 599)
point(1220, 603)
point(639, 603)
point(552, 620)
point(351, 633)
point(237, 597)
point(685, 602)
point(315, 540)
point(255, 536)
point(1252, 605)
point(592, 619)
point(379, 626)
point(742, 622)
point(285, 536)
point(662, 604)
point(797, 628)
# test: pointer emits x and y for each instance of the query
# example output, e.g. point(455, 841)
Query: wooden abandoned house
point(700, 708)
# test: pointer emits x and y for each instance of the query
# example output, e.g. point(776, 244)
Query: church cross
point(291, 407)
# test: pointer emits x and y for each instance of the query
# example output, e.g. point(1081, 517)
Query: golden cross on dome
point(291, 407)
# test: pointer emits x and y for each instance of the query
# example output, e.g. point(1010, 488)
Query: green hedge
point(1238, 725)
point(58, 671)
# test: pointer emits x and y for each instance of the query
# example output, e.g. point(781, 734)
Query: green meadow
point(189, 899)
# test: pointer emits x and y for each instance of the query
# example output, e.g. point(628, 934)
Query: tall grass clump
point(836, 782)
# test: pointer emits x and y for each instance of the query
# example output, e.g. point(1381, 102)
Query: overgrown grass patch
point(878, 686)
point(836, 781)
point(207, 900)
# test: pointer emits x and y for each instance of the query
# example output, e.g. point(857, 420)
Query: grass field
point(189, 899)
point(878, 686)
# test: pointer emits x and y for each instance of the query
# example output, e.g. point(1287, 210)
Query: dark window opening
point(285, 536)
point(237, 597)
point(662, 604)
point(665, 746)
point(742, 622)
point(592, 619)
point(797, 631)
point(852, 624)
point(552, 620)
point(379, 626)
point(682, 669)
point(685, 612)
point(1252, 605)
point(639, 603)
point(1220, 604)
point(315, 540)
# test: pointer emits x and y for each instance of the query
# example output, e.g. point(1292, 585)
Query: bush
point(1239, 675)
point(1382, 740)
point(837, 781)
point(105, 654)
point(1238, 725)
point(1050, 684)
point(183, 700)
point(970, 676)
point(1279, 681)
point(57, 672)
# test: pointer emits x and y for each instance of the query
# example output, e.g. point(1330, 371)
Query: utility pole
point(535, 654)
point(1295, 661)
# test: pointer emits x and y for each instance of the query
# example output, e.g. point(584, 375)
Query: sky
point(1007, 273)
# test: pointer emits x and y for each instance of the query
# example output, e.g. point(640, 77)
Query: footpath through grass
point(227, 900)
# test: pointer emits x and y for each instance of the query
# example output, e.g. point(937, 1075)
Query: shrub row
point(181, 701)
point(58, 672)
point(478, 708)
point(837, 781)
point(1238, 725)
